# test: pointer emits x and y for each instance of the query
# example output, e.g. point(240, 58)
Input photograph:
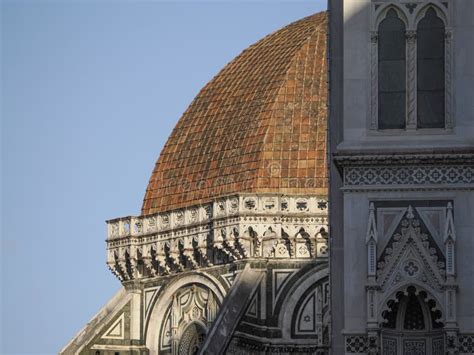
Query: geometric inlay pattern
point(389, 346)
point(116, 330)
point(307, 315)
point(356, 344)
point(149, 293)
point(280, 279)
point(229, 278)
point(414, 347)
point(466, 344)
point(252, 309)
point(410, 175)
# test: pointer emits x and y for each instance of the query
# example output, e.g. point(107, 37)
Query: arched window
point(192, 339)
point(412, 325)
point(430, 71)
point(391, 72)
point(412, 311)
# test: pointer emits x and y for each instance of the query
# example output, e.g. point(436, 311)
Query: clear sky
point(90, 92)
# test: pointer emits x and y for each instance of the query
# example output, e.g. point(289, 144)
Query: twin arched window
point(397, 99)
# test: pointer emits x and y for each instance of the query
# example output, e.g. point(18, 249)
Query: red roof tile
point(258, 126)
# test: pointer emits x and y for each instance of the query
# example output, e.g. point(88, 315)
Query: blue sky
point(90, 92)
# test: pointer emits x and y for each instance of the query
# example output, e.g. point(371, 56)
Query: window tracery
point(412, 309)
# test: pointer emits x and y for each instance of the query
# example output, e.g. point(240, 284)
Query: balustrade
point(228, 229)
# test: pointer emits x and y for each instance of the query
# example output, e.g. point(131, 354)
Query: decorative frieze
point(228, 229)
point(463, 344)
point(408, 175)
point(458, 157)
point(466, 343)
point(356, 344)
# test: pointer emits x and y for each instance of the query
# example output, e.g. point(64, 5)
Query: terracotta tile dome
point(258, 126)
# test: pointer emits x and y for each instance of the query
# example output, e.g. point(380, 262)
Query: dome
point(258, 126)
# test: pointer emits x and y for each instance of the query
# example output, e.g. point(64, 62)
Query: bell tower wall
point(402, 174)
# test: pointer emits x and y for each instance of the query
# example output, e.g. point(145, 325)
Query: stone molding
point(380, 159)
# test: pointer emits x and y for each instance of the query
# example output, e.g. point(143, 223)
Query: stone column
point(448, 66)
point(174, 326)
point(374, 80)
point(411, 87)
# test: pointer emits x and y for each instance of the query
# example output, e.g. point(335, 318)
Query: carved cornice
point(381, 159)
point(229, 229)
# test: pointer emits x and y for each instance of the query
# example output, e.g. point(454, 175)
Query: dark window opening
point(414, 318)
point(392, 73)
point(430, 71)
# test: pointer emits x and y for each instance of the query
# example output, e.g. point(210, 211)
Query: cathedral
point(316, 197)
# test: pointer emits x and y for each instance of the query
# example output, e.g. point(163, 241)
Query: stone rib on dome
point(258, 126)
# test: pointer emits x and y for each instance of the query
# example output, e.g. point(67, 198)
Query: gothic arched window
point(391, 72)
point(430, 71)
